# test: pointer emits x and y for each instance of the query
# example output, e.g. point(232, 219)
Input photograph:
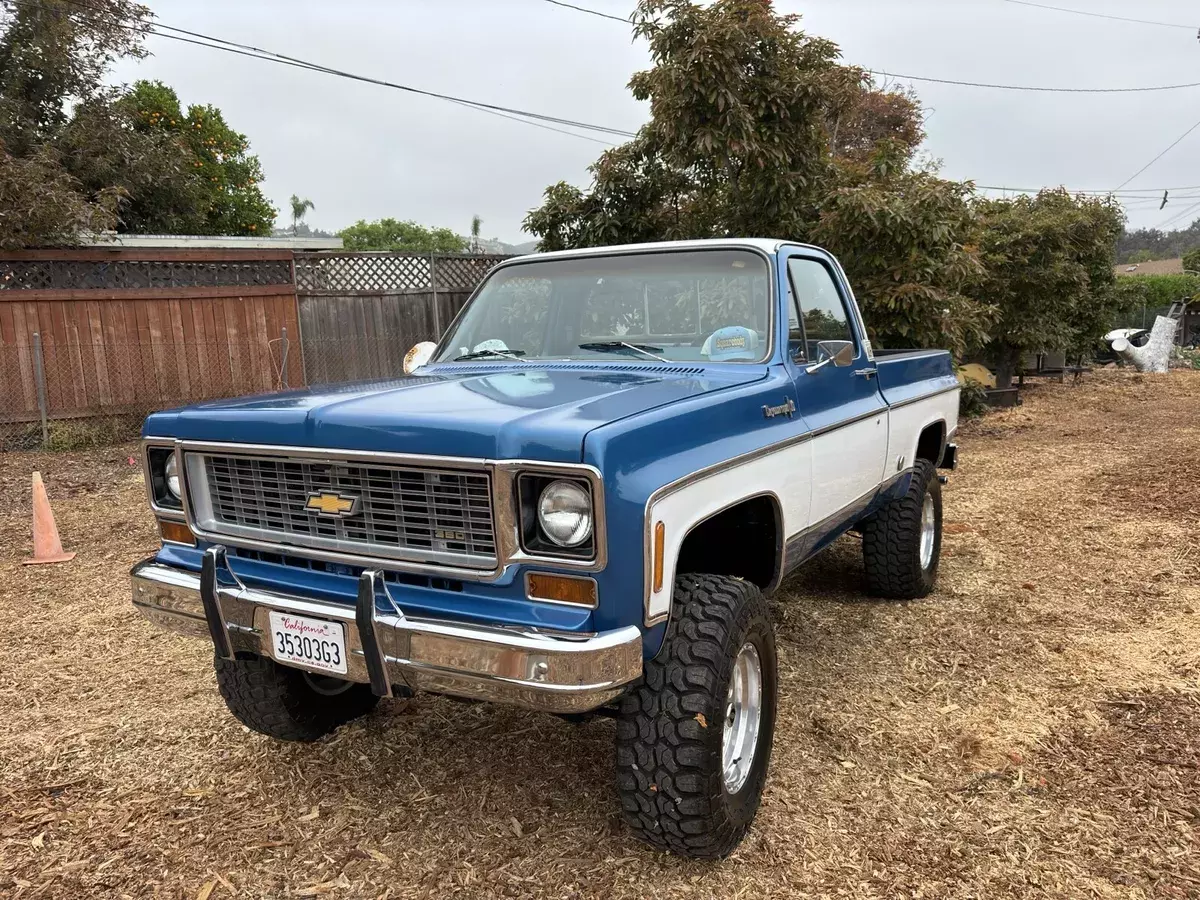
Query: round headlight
point(171, 476)
point(565, 513)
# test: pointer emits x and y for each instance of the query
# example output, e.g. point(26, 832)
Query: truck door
point(841, 404)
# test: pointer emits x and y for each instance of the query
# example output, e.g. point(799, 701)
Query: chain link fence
point(73, 396)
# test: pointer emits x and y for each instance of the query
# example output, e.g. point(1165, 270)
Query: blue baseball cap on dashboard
point(731, 342)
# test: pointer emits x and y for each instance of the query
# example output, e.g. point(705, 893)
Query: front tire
point(289, 704)
point(694, 740)
point(903, 541)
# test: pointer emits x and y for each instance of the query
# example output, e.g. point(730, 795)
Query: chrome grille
point(420, 514)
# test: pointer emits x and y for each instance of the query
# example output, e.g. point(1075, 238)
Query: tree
point(756, 129)
point(1191, 260)
point(110, 158)
point(53, 55)
point(299, 208)
point(390, 234)
point(899, 234)
point(1048, 263)
point(476, 226)
point(223, 177)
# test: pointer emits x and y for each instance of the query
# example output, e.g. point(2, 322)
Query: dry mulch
point(1030, 730)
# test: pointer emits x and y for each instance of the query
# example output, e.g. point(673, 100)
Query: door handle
point(866, 373)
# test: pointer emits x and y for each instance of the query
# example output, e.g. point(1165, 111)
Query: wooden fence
point(134, 330)
point(361, 312)
point(97, 331)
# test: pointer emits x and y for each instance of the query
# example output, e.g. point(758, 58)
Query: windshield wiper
point(484, 354)
point(608, 346)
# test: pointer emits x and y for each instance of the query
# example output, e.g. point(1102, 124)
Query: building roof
point(209, 242)
point(1157, 267)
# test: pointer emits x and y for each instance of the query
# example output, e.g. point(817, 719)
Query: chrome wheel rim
point(928, 532)
point(743, 718)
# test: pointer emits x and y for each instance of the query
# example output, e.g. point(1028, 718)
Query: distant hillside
point(1146, 244)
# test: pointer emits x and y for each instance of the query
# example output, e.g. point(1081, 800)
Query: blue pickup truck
point(576, 502)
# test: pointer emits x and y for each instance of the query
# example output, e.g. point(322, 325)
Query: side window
point(820, 304)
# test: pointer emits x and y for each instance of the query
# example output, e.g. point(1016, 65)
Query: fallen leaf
point(654, 788)
point(39, 841)
point(1029, 586)
point(206, 891)
point(380, 857)
point(516, 827)
point(703, 721)
point(308, 817)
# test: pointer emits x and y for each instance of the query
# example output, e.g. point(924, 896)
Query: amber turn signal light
point(660, 537)
point(176, 532)
point(561, 589)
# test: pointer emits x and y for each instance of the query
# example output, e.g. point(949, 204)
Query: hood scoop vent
point(477, 369)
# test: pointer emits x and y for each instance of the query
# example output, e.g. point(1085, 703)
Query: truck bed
point(905, 375)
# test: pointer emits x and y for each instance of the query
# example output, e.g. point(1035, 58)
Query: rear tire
point(903, 541)
point(289, 704)
point(680, 790)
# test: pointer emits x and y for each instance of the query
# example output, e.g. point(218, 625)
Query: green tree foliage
point(1143, 297)
point(756, 129)
point(96, 157)
point(221, 178)
point(1048, 263)
point(52, 55)
point(390, 234)
point(1191, 260)
point(299, 208)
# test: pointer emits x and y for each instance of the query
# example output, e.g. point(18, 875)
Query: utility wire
point(1174, 144)
point(1042, 90)
point(590, 12)
point(215, 43)
point(1081, 12)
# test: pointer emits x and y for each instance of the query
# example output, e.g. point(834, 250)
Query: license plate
point(314, 643)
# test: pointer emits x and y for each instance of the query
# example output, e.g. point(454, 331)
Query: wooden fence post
point(437, 313)
point(39, 377)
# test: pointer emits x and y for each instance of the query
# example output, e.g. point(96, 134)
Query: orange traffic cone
point(47, 548)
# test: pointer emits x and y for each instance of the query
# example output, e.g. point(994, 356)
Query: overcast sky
point(364, 152)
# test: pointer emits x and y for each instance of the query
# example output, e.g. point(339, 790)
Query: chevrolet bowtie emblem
point(327, 503)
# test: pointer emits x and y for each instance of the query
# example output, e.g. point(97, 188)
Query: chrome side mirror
point(840, 353)
point(418, 356)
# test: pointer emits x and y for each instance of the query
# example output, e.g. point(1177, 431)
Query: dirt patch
point(974, 744)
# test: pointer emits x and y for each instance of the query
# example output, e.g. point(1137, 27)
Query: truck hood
point(512, 411)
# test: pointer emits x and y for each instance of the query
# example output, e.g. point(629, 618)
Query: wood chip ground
point(1030, 730)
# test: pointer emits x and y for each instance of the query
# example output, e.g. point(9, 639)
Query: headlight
point(171, 475)
point(565, 513)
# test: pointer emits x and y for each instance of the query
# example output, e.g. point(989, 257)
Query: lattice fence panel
point(388, 273)
point(18, 275)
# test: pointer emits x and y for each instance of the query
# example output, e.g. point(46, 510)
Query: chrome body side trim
point(677, 485)
point(912, 400)
point(519, 666)
point(505, 509)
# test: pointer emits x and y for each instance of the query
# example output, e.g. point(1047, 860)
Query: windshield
point(686, 306)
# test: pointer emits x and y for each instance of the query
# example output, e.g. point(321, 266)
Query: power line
point(1132, 193)
point(590, 12)
point(1174, 143)
point(1043, 90)
point(975, 84)
point(216, 43)
point(1081, 12)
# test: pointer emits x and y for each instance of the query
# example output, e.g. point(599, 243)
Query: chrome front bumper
point(392, 651)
